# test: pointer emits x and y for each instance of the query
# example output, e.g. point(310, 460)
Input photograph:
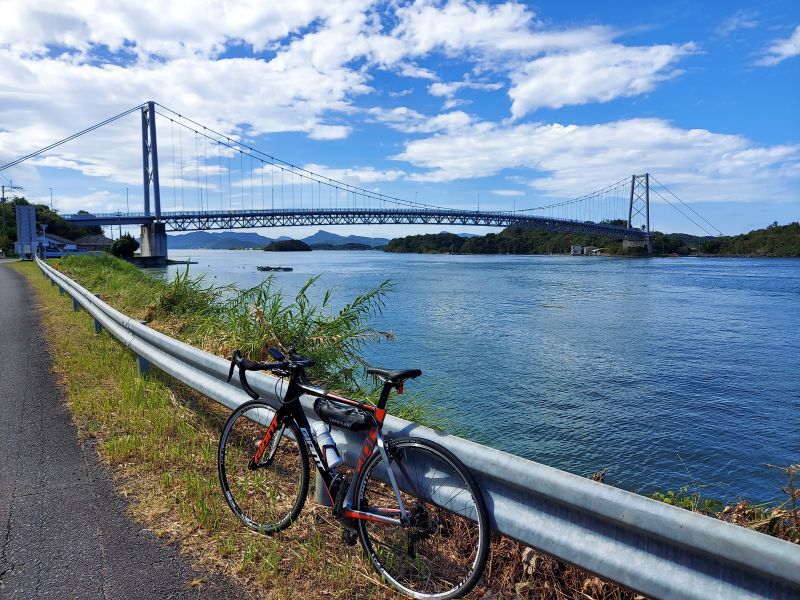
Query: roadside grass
point(160, 439)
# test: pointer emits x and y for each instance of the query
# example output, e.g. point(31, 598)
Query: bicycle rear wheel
point(442, 552)
point(267, 496)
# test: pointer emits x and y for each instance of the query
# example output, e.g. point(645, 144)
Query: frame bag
point(338, 415)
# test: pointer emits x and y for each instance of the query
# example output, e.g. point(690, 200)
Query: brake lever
point(234, 357)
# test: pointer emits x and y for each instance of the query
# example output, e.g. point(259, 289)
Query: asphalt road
point(64, 531)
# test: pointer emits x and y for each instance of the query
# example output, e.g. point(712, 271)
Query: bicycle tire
point(270, 497)
point(421, 560)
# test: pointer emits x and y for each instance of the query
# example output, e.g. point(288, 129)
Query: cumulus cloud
point(409, 120)
point(356, 175)
point(485, 29)
point(781, 49)
point(165, 29)
point(595, 75)
point(572, 159)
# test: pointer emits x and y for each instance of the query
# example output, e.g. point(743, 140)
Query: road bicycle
point(415, 508)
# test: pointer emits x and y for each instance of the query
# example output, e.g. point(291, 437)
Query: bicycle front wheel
point(442, 551)
point(267, 495)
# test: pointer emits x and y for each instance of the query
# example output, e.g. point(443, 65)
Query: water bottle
point(322, 433)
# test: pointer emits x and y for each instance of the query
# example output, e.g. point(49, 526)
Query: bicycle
point(422, 521)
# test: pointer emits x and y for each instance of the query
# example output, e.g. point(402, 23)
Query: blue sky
point(455, 103)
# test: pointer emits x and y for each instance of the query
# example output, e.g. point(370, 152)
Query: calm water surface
point(669, 372)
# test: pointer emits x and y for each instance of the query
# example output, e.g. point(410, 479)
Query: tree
point(124, 246)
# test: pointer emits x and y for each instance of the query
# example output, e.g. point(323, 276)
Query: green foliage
point(55, 223)
point(124, 246)
point(288, 246)
point(220, 319)
point(711, 246)
point(775, 240)
point(690, 501)
point(432, 243)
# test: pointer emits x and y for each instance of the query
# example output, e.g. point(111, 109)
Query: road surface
point(64, 531)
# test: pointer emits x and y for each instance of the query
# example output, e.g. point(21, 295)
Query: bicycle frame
point(292, 410)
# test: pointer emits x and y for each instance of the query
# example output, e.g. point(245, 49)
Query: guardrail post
point(76, 306)
point(320, 496)
point(98, 326)
point(143, 365)
point(60, 291)
point(52, 281)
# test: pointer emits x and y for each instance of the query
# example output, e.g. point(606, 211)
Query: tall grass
point(220, 319)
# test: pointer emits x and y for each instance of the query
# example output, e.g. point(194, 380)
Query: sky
point(462, 103)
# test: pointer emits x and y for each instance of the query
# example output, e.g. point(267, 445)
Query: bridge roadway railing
point(654, 548)
point(288, 217)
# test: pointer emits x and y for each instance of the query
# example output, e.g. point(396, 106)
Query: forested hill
point(775, 240)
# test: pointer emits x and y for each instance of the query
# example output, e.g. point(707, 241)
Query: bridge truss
point(246, 219)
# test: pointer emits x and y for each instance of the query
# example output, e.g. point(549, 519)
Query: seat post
point(387, 388)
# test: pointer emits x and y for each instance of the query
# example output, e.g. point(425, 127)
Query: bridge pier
point(154, 243)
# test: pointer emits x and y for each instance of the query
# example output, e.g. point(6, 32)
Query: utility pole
point(51, 199)
point(10, 187)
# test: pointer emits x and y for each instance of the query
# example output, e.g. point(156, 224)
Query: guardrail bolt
point(143, 365)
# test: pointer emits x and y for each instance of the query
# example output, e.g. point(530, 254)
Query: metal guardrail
point(654, 548)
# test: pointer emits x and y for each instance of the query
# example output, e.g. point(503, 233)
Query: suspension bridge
point(214, 181)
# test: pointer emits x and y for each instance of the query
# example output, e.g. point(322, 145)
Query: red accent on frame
point(366, 451)
point(267, 437)
point(355, 515)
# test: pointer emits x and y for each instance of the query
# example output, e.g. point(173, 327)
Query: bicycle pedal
point(349, 536)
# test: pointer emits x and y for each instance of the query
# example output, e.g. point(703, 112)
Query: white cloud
point(166, 29)
point(450, 89)
point(595, 75)
point(409, 120)
point(356, 175)
point(741, 19)
point(490, 30)
point(573, 159)
point(781, 49)
point(508, 192)
point(412, 70)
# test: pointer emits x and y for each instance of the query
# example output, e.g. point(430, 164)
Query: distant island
point(232, 240)
point(348, 246)
point(773, 241)
point(288, 246)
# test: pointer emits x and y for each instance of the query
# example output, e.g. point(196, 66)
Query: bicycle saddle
point(394, 376)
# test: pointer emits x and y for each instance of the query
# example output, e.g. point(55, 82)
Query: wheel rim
point(269, 497)
point(439, 554)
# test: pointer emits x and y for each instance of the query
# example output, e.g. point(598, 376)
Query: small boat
point(269, 268)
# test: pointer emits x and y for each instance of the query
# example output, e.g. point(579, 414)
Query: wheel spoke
point(269, 497)
point(442, 552)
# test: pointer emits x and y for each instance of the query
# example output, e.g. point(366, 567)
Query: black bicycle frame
point(292, 410)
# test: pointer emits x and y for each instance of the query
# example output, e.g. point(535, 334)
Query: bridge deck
point(238, 219)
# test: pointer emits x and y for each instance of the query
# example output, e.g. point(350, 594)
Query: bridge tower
point(154, 234)
point(639, 206)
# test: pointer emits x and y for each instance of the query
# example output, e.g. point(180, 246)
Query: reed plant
point(220, 319)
